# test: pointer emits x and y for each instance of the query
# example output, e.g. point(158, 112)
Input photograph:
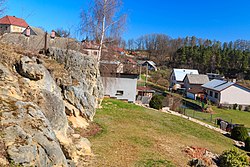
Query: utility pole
point(146, 75)
point(140, 72)
point(45, 44)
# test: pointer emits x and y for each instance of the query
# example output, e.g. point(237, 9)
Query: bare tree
point(63, 33)
point(102, 22)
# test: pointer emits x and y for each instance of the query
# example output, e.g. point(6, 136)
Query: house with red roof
point(12, 24)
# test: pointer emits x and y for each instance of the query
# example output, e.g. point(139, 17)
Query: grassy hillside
point(135, 136)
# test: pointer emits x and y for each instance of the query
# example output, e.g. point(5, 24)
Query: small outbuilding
point(33, 31)
point(121, 86)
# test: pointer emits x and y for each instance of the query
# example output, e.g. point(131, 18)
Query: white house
point(227, 93)
point(121, 86)
point(12, 24)
point(177, 76)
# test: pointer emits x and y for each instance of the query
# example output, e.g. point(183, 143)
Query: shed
point(34, 31)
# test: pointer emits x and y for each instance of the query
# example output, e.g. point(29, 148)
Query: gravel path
point(167, 110)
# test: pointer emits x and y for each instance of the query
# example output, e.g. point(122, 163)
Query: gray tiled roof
point(197, 78)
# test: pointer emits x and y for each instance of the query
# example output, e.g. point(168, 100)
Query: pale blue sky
point(223, 20)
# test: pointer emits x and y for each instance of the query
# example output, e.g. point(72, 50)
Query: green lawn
point(135, 136)
point(236, 116)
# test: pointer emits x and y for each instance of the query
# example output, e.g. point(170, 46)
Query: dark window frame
point(119, 93)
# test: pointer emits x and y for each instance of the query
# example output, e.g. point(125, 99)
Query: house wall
point(126, 85)
point(191, 96)
point(235, 94)
point(173, 81)
point(187, 85)
point(211, 95)
point(16, 29)
point(4, 28)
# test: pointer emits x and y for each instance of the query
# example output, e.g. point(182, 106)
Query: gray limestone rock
point(30, 69)
point(86, 94)
point(29, 138)
point(54, 110)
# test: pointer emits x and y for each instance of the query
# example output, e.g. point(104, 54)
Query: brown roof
point(195, 90)
point(12, 20)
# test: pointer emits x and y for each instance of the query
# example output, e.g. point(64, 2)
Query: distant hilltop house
point(150, 64)
point(120, 86)
point(12, 24)
point(177, 76)
point(227, 93)
point(90, 47)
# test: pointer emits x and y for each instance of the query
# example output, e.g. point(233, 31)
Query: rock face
point(38, 97)
point(88, 91)
point(29, 136)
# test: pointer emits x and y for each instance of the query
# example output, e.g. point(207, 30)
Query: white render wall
point(17, 29)
point(127, 85)
point(235, 95)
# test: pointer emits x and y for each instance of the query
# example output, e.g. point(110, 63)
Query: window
point(216, 95)
point(211, 93)
point(119, 93)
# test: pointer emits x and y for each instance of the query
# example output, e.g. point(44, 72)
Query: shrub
point(235, 106)
point(239, 133)
point(240, 107)
point(233, 158)
point(247, 144)
point(156, 102)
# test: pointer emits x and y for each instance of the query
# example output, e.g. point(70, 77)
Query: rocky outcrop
point(87, 93)
point(41, 102)
point(29, 137)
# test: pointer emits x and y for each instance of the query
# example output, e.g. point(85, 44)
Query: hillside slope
point(135, 136)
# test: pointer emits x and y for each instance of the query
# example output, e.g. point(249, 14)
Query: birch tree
point(103, 22)
point(2, 6)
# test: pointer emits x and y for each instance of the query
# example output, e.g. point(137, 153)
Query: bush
point(235, 106)
point(239, 133)
point(233, 158)
point(156, 102)
point(247, 144)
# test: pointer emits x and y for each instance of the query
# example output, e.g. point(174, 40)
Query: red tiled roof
point(12, 20)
